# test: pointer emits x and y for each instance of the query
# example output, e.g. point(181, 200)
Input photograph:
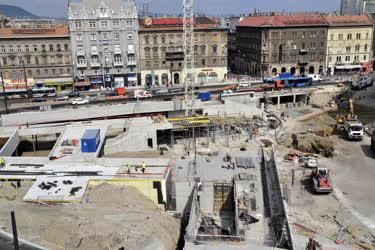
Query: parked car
point(161, 91)
point(62, 98)
point(311, 162)
point(80, 101)
point(176, 90)
point(74, 94)
point(39, 99)
point(243, 85)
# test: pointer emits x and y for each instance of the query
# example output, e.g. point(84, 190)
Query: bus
point(25, 93)
point(289, 81)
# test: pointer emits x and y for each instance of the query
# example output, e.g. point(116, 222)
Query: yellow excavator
point(350, 123)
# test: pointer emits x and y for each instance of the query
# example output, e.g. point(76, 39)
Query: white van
point(316, 77)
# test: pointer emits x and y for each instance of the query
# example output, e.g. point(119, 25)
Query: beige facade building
point(349, 44)
point(161, 51)
point(43, 53)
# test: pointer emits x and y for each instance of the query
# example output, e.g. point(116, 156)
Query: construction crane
point(188, 21)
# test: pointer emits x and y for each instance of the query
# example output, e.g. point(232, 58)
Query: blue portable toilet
point(204, 96)
point(90, 141)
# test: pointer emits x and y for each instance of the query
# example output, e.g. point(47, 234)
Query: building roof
point(58, 31)
point(176, 23)
point(283, 20)
point(362, 20)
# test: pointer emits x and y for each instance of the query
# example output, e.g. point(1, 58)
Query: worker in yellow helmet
point(2, 162)
point(144, 167)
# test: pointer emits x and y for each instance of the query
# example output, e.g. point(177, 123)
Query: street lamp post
point(4, 94)
point(238, 65)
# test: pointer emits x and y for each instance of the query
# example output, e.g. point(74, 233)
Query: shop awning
point(82, 84)
point(348, 67)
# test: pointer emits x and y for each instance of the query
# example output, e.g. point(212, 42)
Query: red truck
point(321, 180)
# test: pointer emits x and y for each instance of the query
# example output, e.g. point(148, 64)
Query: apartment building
point(162, 53)
point(43, 53)
point(349, 44)
point(104, 40)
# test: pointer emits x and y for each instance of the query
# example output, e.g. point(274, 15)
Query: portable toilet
point(90, 141)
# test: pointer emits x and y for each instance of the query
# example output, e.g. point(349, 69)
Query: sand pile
point(110, 217)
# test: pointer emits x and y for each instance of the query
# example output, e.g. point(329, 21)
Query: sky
point(58, 8)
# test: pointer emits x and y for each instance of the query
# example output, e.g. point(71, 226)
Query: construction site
point(290, 168)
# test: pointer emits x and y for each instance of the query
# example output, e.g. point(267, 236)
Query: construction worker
point(128, 168)
point(143, 167)
point(2, 162)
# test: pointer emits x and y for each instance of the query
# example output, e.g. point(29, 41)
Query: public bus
point(25, 93)
point(286, 80)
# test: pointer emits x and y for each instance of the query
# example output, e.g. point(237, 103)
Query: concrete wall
point(184, 190)
point(207, 197)
point(91, 112)
point(11, 145)
point(135, 139)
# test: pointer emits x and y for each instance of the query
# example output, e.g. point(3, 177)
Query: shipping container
point(204, 96)
point(90, 141)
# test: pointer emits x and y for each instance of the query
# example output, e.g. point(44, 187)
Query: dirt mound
point(110, 217)
point(314, 144)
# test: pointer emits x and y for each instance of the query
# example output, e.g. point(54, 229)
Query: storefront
point(82, 85)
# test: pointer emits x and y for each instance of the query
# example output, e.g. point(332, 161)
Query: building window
point(347, 58)
point(116, 23)
point(58, 47)
point(46, 71)
point(358, 36)
point(155, 38)
point(365, 47)
point(332, 37)
point(130, 36)
point(117, 59)
point(349, 37)
point(94, 50)
point(203, 50)
point(367, 36)
point(104, 24)
point(66, 47)
point(35, 48)
point(204, 62)
point(78, 24)
point(303, 46)
point(92, 24)
point(19, 48)
point(338, 59)
point(11, 49)
point(93, 37)
point(147, 40)
point(79, 37)
point(214, 61)
point(80, 50)
point(129, 23)
point(28, 61)
point(348, 48)
point(36, 60)
point(147, 52)
point(51, 47)
point(163, 39)
point(356, 58)
point(341, 37)
point(5, 61)
point(214, 49)
point(357, 47)
point(330, 58)
point(365, 57)
point(116, 36)
point(105, 36)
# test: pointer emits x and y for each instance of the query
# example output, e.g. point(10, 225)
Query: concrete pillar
point(32, 138)
point(294, 98)
point(278, 101)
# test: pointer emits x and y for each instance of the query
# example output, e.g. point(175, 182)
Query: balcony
point(94, 52)
point(117, 51)
point(81, 65)
point(303, 51)
point(80, 53)
point(118, 64)
point(339, 63)
point(131, 50)
point(95, 64)
point(302, 62)
point(132, 63)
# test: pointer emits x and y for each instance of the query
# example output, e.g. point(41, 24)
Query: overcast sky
point(58, 8)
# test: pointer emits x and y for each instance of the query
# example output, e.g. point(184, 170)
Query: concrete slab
point(72, 152)
point(59, 189)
